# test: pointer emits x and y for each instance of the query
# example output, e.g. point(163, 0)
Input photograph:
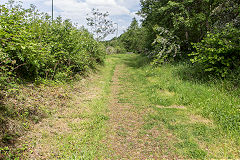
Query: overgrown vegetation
point(115, 46)
point(207, 32)
point(165, 48)
point(219, 52)
point(189, 66)
point(33, 48)
point(134, 38)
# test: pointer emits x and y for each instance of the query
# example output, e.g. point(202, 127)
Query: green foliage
point(219, 51)
point(115, 46)
point(165, 47)
point(33, 47)
point(189, 21)
point(134, 39)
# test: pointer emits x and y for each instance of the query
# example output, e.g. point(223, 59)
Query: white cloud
point(121, 11)
point(101, 2)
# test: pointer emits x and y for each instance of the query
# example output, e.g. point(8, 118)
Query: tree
point(134, 38)
point(130, 38)
point(100, 23)
point(134, 24)
point(207, 30)
point(188, 19)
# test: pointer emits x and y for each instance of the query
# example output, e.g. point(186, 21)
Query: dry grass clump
point(29, 105)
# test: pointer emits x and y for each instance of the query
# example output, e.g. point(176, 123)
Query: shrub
point(115, 46)
point(219, 51)
point(32, 46)
point(165, 48)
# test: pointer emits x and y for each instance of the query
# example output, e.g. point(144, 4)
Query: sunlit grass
point(208, 127)
point(86, 142)
point(187, 117)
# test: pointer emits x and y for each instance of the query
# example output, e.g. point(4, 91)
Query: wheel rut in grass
point(124, 136)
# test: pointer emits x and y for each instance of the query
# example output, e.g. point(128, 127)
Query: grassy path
point(125, 124)
point(127, 111)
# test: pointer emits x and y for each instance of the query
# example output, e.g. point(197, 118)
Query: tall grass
point(214, 98)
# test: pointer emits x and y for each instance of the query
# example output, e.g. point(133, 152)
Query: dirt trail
point(125, 124)
point(106, 117)
point(76, 127)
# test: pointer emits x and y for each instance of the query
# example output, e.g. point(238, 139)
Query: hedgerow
point(32, 46)
point(207, 29)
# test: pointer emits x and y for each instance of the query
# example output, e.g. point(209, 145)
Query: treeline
point(134, 39)
point(33, 47)
point(206, 32)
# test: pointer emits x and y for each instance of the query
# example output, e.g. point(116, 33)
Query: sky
point(121, 11)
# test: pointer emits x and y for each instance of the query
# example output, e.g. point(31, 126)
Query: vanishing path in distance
point(122, 112)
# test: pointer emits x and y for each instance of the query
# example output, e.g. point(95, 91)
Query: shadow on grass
point(186, 71)
point(137, 61)
point(194, 73)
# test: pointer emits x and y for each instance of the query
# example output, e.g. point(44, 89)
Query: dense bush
point(219, 51)
point(165, 47)
point(33, 47)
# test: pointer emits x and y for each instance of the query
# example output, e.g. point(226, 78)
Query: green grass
point(208, 127)
point(82, 121)
point(189, 117)
point(88, 145)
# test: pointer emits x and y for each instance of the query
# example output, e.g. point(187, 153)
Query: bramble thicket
point(33, 47)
